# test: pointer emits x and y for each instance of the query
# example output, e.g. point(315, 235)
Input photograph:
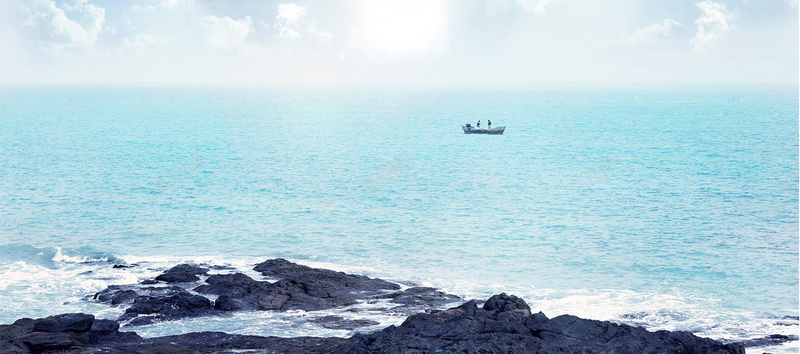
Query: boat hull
point(474, 130)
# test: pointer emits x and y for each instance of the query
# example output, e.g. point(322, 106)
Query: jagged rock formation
point(504, 324)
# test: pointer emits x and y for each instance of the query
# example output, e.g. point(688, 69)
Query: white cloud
point(167, 4)
point(323, 36)
point(535, 6)
point(138, 44)
point(497, 7)
point(170, 4)
point(397, 40)
point(78, 5)
point(400, 28)
point(225, 32)
point(648, 35)
point(712, 23)
point(288, 20)
point(92, 21)
point(50, 27)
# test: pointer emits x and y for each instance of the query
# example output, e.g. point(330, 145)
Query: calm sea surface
point(668, 208)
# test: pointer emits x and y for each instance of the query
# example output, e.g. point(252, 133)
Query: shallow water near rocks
point(668, 208)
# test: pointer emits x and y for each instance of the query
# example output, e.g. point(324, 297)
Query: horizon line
point(414, 85)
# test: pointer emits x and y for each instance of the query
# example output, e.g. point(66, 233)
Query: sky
point(398, 42)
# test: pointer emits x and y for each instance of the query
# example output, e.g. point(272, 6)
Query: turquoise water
point(670, 208)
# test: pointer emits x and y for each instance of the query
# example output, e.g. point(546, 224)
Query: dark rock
point(16, 329)
point(279, 267)
point(60, 333)
point(299, 288)
point(127, 316)
point(477, 343)
point(124, 296)
point(337, 322)
point(9, 348)
point(308, 296)
point(774, 339)
point(116, 295)
point(235, 286)
point(122, 266)
point(421, 296)
point(535, 321)
point(225, 303)
point(42, 341)
point(274, 297)
point(102, 331)
point(220, 267)
point(503, 303)
point(505, 325)
point(572, 332)
point(317, 289)
point(102, 327)
point(149, 282)
point(419, 299)
point(216, 342)
point(168, 304)
point(164, 303)
point(182, 273)
point(322, 283)
point(239, 291)
point(75, 322)
point(143, 321)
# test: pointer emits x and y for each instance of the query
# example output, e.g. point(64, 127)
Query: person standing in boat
point(489, 123)
point(478, 124)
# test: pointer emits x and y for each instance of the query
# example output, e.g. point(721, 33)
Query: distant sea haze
point(669, 208)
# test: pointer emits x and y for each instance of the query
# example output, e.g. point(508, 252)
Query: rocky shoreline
point(503, 324)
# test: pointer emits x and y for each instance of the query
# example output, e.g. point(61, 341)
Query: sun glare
point(402, 28)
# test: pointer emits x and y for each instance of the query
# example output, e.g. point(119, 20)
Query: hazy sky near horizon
point(402, 42)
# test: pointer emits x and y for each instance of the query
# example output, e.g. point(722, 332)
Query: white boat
point(469, 129)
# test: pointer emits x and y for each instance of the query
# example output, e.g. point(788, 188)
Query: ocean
point(667, 207)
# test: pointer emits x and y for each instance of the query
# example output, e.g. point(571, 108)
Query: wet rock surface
point(175, 294)
point(338, 322)
point(182, 273)
point(419, 299)
point(774, 339)
point(150, 304)
point(218, 342)
point(336, 288)
point(503, 324)
point(65, 332)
